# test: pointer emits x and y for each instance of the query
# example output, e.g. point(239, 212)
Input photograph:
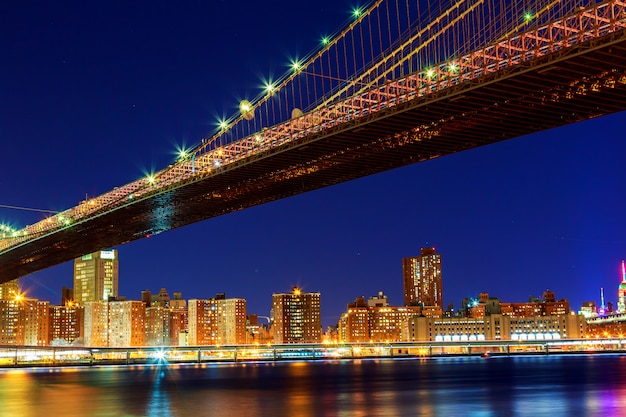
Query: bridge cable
point(27, 208)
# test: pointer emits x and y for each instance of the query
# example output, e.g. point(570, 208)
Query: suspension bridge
point(405, 81)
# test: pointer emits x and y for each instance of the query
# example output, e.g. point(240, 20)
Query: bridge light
point(325, 40)
point(246, 109)
point(528, 16)
point(151, 179)
point(269, 87)
point(453, 67)
point(217, 163)
point(357, 12)
point(182, 153)
point(430, 73)
point(223, 124)
point(296, 66)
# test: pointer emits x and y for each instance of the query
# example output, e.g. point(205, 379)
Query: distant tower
point(95, 276)
point(422, 279)
point(621, 292)
point(602, 309)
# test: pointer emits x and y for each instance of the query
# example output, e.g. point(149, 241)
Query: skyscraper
point(422, 279)
point(297, 317)
point(621, 292)
point(95, 276)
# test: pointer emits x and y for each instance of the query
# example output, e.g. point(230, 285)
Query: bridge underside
point(569, 86)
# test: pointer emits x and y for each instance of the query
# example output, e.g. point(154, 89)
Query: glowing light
point(151, 179)
point(258, 137)
point(159, 355)
point(217, 163)
point(269, 87)
point(528, 17)
point(430, 73)
point(19, 297)
point(453, 67)
point(223, 124)
point(296, 291)
point(357, 12)
point(296, 66)
point(325, 40)
point(182, 153)
point(246, 109)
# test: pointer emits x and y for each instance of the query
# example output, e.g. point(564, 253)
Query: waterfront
point(555, 385)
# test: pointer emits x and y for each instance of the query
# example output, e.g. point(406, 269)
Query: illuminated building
point(422, 279)
point(258, 333)
point(11, 323)
point(66, 323)
point(127, 323)
point(588, 309)
point(96, 276)
point(297, 317)
point(158, 326)
point(24, 321)
point(368, 322)
point(217, 321)
point(35, 322)
point(9, 290)
point(165, 317)
point(495, 327)
point(547, 306)
point(96, 327)
point(621, 292)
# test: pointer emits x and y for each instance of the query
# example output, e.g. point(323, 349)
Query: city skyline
point(86, 108)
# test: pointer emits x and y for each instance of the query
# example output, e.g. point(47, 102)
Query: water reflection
point(159, 403)
point(520, 386)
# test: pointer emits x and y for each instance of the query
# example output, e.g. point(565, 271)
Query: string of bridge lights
point(248, 107)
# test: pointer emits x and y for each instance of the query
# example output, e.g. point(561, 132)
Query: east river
point(542, 385)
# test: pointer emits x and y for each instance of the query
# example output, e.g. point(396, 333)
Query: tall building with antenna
point(621, 292)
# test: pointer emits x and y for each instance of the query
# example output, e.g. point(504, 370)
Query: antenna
point(602, 308)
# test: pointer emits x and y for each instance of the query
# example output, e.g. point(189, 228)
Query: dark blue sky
point(92, 94)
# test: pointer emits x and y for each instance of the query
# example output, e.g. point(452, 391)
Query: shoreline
point(12, 357)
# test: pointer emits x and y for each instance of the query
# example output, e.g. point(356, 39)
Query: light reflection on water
point(516, 386)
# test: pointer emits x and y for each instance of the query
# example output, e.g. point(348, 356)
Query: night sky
point(95, 94)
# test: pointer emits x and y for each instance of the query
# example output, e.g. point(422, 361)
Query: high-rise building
point(217, 321)
point(127, 323)
point(66, 323)
point(374, 321)
point(96, 324)
point(95, 276)
point(11, 323)
point(621, 292)
point(422, 279)
point(36, 322)
point(24, 321)
point(297, 317)
point(9, 290)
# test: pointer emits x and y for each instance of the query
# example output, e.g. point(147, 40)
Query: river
point(552, 385)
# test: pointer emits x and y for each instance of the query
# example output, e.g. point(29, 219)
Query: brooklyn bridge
point(398, 85)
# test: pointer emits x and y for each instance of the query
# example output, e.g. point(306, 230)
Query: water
point(575, 385)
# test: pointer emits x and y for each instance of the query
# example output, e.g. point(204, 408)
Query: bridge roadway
point(567, 86)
